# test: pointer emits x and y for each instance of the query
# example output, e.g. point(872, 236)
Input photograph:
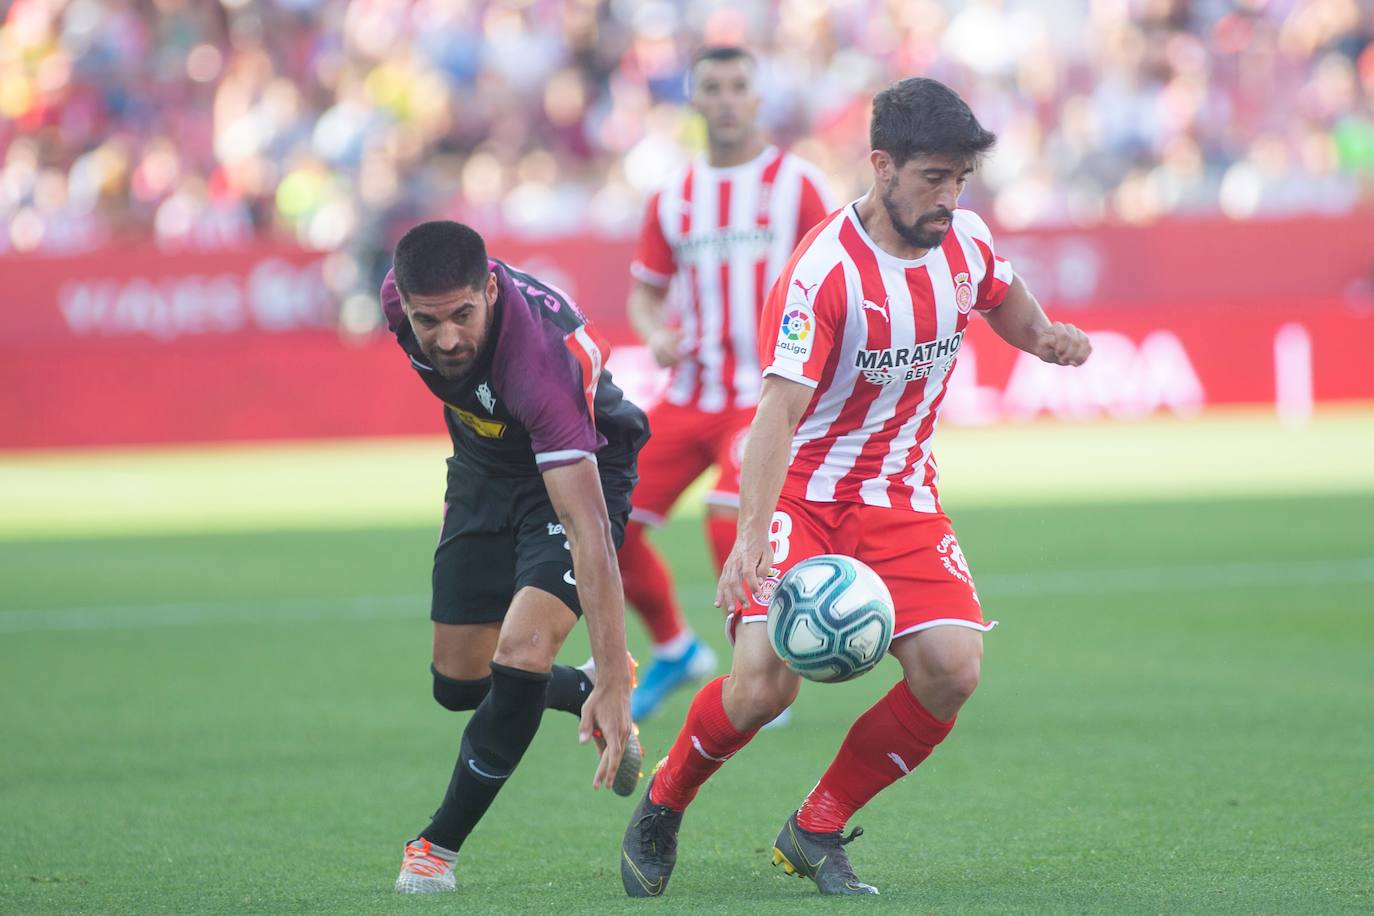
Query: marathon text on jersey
point(883, 367)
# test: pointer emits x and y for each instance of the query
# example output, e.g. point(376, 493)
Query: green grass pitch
point(1177, 715)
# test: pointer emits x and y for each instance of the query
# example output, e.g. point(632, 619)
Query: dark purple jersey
point(539, 395)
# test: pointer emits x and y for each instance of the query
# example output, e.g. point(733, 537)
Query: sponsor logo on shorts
point(952, 556)
point(568, 578)
point(963, 292)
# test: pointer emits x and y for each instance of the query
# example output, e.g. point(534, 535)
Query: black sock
point(456, 695)
point(568, 690)
point(493, 743)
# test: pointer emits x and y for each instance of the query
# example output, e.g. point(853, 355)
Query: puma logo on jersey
point(806, 290)
point(870, 306)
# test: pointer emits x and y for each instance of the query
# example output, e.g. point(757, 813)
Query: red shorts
point(914, 553)
point(684, 443)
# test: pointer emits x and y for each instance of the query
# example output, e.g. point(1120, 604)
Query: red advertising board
point(145, 346)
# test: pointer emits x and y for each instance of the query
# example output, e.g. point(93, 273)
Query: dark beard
point(915, 236)
point(456, 374)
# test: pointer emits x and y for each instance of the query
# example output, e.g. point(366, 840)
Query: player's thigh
point(919, 560)
point(676, 454)
point(464, 651)
point(542, 551)
point(728, 454)
point(941, 664)
point(534, 630)
point(474, 578)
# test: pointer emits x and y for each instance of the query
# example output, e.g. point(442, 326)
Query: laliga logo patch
point(796, 324)
point(794, 335)
point(963, 293)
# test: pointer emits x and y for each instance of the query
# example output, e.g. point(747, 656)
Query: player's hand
point(744, 569)
point(606, 716)
point(1063, 344)
point(666, 346)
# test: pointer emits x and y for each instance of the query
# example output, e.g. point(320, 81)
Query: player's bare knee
point(531, 651)
point(961, 680)
point(951, 684)
point(755, 697)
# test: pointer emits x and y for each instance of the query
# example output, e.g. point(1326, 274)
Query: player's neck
point(875, 221)
point(725, 157)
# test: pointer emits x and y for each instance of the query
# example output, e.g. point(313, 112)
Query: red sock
point(649, 587)
point(884, 744)
point(720, 531)
point(706, 741)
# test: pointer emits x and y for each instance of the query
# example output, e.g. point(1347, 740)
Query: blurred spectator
point(332, 122)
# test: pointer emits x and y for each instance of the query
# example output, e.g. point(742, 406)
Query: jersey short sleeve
point(997, 272)
point(803, 320)
point(557, 402)
point(654, 262)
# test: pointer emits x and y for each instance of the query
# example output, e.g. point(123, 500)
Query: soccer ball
point(830, 618)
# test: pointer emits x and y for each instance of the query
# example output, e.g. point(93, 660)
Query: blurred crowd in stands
point(332, 122)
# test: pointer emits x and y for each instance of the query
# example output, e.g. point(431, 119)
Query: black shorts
point(502, 534)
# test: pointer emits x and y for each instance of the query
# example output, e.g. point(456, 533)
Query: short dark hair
point(720, 53)
point(439, 257)
point(924, 117)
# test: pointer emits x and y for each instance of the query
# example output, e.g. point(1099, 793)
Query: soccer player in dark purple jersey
point(538, 495)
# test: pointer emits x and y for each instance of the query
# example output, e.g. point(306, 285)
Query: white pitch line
point(1180, 578)
point(1006, 585)
point(196, 613)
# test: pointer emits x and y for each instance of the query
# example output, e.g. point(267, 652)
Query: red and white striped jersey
point(721, 237)
point(877, 337)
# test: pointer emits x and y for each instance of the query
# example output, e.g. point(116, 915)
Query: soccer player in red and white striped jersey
point(864, 328)
point(714, 239)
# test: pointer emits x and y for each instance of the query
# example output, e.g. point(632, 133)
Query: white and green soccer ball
point(830, 618)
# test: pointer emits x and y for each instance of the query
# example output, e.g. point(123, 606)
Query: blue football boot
point(664, 676)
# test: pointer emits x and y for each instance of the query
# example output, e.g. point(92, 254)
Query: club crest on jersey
point(794, 335)
point(486, 397)
point(906, 364)
point(963, 292)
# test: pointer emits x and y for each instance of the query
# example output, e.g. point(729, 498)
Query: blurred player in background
point(544, 449)
point(864, 326)
point(718, 233)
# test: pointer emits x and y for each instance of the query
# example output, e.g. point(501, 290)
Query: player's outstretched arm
point(1021, 322)
point(575, 491)
point(648, 318)
point(762, 470)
